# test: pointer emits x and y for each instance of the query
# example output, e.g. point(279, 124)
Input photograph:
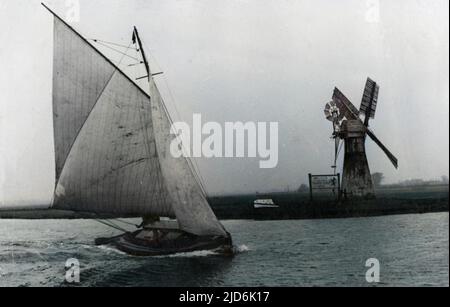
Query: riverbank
point(299, 205)
point(295, 205)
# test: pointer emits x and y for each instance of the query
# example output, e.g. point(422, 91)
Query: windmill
point(349, 127)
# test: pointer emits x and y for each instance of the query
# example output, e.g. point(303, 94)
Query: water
point(413, 250)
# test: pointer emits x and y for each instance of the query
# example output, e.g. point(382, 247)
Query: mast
point(141, 49)
point(137, 38)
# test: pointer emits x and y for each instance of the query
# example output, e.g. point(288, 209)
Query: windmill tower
point(349, 127)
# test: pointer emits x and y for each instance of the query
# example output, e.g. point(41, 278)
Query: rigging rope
point(118, 51)
point(110, 43)
point(126, 222)
point(193, 165)
point(191, 162)
point(111, 224)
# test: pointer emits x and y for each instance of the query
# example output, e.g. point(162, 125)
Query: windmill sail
point(391, 157)
point(346, 108)
point(369, 99)
point(111, 142)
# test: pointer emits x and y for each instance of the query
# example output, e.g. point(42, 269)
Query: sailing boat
point(112, 152)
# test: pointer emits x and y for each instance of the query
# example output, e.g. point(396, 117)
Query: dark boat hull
point(133, 244)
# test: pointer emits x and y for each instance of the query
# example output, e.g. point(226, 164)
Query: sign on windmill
point(325, 184)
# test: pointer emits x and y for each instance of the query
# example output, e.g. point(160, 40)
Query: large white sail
point(112, 143)
point(193, 212)
point(106, 161)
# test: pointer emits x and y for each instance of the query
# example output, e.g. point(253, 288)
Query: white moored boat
point(264, 203)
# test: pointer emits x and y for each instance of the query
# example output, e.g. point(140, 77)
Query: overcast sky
point(238, 60)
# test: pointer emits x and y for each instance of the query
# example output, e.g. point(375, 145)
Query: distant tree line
point(378, 177)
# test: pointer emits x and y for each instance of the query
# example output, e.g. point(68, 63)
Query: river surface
point(412, 250)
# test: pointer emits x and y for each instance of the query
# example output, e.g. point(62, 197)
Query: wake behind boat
point(112, 153)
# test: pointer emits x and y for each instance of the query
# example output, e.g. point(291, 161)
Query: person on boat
point(149, 220)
